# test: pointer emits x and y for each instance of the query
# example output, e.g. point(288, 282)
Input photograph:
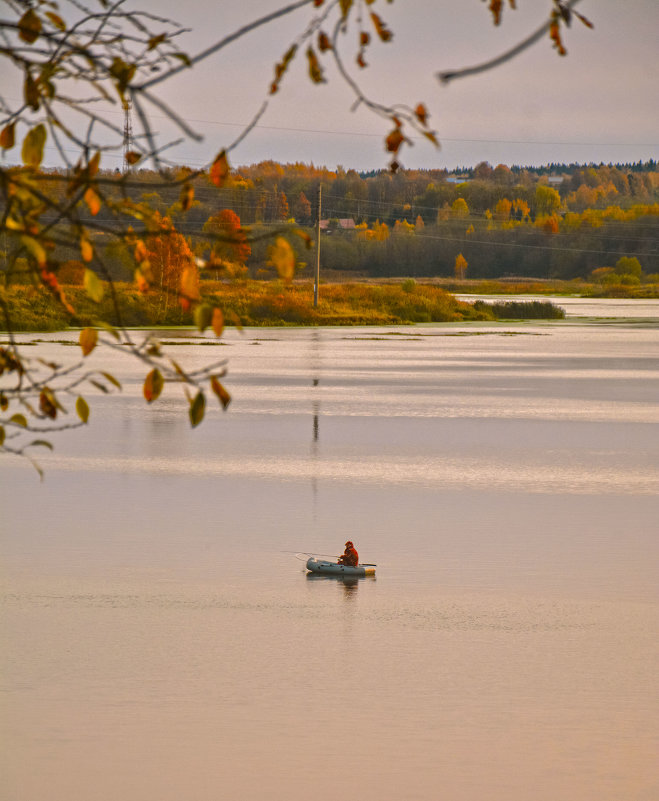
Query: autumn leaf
point(203, 315)
point(187, 196)
point(324, 43)
point(82, 409)
point(394, 140)
point(219, 169)
point(315, 70)
point(220, 391)
point(132, 157)
point(109, 377)
point(32, 151)
point(18, 420)
point(190, 283)
point(282, 258)
point(496, 7)
point(154, 41)
point(88, 340)
point(421, 113)
point(217, 322)
point(197, 409)
point(86, 249)
point(382, 31)
point(31, 92)
point(140, 252)
point(122, 72)
point(282, 66)
point(153, 385)
point(36, 249)
point(346, 5)
point(140, 280)
point(29, 27)
point(48, 403)
point(7, 136)
point(93, 286)
point(93, 201)
point(57, 21)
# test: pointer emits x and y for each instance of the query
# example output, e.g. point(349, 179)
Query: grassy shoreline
point(259, 303)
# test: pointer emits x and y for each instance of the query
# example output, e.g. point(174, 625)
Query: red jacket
point(350, 557)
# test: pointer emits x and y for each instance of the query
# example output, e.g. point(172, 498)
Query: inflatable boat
point(315, 565)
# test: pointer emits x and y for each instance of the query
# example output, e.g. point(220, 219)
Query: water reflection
point(349, 584)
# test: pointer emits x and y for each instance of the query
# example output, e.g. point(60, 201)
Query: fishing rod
point(329, 555)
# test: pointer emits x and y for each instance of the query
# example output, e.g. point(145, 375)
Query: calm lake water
point(162, 641)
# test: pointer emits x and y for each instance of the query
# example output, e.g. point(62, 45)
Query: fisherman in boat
point(350, 556)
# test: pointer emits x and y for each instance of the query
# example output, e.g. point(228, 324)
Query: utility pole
point(317, 276)
point(128, 134)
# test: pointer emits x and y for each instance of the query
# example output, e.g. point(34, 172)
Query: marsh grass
point(258, 303)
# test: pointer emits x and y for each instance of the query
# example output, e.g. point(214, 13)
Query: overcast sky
point(598, 103)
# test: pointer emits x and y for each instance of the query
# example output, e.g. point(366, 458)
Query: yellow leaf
point(36, 249)
point(346, 5)
point(93, 201)
point(202, 316)
point(154, 41)
point(111, 379)
point(32, 151)
point(57, 21)
point(2, 435)
point(88, 340)
point(282, 258)
point(197, 409)
point(153, 385)
point(19, 420)
point(82, 409)
point(132, 157)
point(220, 391)
point(93, 286)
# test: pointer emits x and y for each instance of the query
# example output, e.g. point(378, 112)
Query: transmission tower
point(128, 133)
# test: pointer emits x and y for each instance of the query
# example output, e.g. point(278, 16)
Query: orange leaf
point(217, 322)
point(93, 201)
point(190, 283)
point(315, 70)
point(421, 113)
point(187, 196)
point(153, 385)
point(220, 391)
point(394, 141)
point(7, 137)
point(88, 340)
point(142, 283)
point(219, 169)
point(324, 43)
point(86, 249)
point(383, 32)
